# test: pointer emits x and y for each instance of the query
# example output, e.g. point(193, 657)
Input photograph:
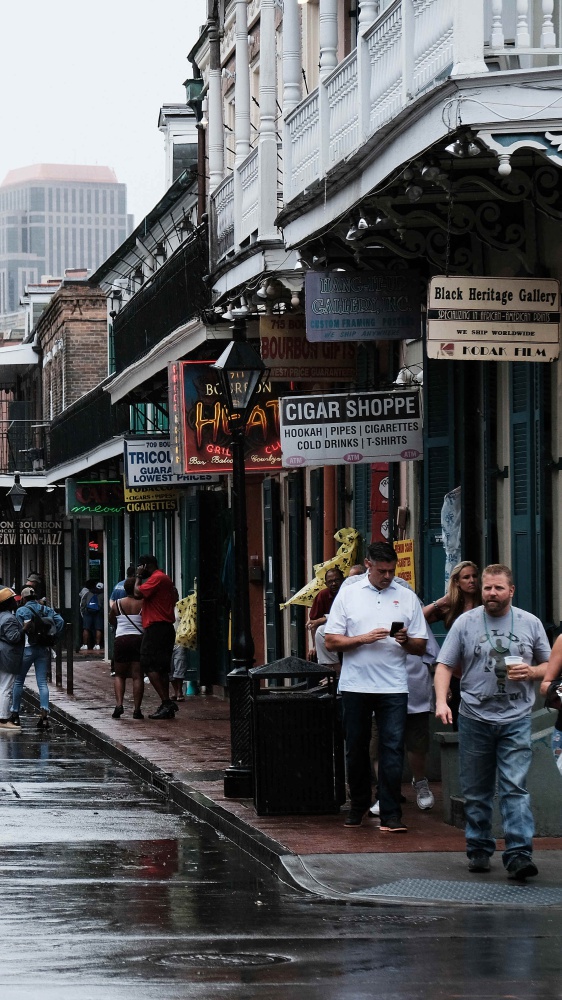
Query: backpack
point(92, 604)
point(42, 630)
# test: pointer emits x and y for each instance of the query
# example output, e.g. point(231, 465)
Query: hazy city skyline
point(79, 88)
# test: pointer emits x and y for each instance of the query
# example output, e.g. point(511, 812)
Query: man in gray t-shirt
point(497, 695)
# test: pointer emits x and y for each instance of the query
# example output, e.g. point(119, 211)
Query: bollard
point(69, 660)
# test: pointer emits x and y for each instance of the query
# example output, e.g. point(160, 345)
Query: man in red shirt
point(159, 597)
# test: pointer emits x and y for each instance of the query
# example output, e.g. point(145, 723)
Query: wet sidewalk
point(186, 758)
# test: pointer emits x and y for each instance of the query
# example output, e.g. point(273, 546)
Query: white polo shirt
point(377, 667)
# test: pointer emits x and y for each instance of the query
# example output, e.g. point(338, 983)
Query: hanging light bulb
point(296, 300)
point(261, 292)
point(228, 315)
point(363, 223)
point(463, 147)
point(240, 310)
point(352, 232)
point(430, 172)
point(414, 192)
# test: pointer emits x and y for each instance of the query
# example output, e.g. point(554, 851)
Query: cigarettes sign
point(351, 428)
point(493, 319)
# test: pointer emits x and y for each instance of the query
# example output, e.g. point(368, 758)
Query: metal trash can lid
point(291, 666)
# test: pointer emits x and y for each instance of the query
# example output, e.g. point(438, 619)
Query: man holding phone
point(374, 679)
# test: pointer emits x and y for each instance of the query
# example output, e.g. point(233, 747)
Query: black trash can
point(297, 739)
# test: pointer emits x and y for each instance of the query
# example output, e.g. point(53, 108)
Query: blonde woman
point(463, 594)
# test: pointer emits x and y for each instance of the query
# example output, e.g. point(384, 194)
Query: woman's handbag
point(552, 698)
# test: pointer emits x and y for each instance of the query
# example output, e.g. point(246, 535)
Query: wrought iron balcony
point(22, 445)
point(88, 423)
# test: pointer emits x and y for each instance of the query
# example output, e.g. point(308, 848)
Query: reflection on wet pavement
point(108, 892)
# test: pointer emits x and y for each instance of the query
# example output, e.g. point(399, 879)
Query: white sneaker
point(97, 649)
point(82, 648)
point(375, 809)
point(424, 795)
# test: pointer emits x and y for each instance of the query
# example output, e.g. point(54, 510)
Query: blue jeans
point(390, 714)
point(41, 657)
point(484, 748)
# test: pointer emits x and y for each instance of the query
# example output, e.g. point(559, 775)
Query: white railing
point(341, 88)
point(249, 184)
point(222, 203)
point(411, 47)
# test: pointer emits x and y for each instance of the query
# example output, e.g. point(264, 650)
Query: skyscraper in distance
point(55, 216)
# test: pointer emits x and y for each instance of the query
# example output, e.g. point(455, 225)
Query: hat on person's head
point(28, 592)
point(33, 576)
point(99, 586)
point(5, 594)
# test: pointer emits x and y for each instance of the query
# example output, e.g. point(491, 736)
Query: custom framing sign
point(351, 428)
point(368, 305)
point(493, 319)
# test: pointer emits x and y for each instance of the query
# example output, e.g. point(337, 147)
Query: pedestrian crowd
point(375, 627)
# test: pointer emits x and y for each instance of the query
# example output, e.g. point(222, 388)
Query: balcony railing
point(88, 423)
point(23, 446)
point(411, 47)
point(237, 217)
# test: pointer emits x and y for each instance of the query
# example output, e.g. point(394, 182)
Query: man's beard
point(497, 608)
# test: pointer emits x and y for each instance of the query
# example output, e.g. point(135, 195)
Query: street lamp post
point(241, 373)
point(17, 496)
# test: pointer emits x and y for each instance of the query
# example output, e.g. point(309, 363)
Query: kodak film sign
point(493, 319)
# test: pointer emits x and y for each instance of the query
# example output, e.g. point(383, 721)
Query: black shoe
point(117, 712)
point(166, 711)
point(354, 817)
point(393, 825)
point(521, 867)
point(479, 862)
point(15, 719)
point(137, 714)
point(43, 722)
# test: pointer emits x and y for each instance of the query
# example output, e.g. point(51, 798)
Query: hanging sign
point(291, 357)
point(352, 428)
point(149, 463)
point(89, 497)
point(493, 319)
point(200, 433)
point(365, 305)
point(138, 499)
point(31, 532)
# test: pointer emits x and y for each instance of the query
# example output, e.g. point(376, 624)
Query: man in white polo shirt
point(374, 679)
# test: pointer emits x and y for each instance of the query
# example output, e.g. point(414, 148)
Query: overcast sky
point(83, 83)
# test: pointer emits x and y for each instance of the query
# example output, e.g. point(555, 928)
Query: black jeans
point(390, 714)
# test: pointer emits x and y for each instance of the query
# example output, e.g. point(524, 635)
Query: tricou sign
point(493, 319)
point(364, 306)
point(351, 428)
point(149, 463)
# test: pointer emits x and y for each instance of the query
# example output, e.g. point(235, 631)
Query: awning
point(14, 359)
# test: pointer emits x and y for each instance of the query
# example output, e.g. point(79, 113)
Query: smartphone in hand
point(395, 627)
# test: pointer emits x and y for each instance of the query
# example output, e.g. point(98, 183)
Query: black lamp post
point(241, 373)
point(17, 496)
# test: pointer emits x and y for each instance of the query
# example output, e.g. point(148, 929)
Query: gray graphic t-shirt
point(480, 643)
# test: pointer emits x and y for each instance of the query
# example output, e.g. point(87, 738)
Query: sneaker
point(393, 825)
point(83, 649)
point(424, 795)
point(354, 817)
point(521, 867)
point(8, 725)
point(479, 862)
point(375, 809)
point(97, 649)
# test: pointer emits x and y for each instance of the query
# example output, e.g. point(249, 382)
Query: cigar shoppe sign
point(199, 425)
point(351, 428)
point(493, 319)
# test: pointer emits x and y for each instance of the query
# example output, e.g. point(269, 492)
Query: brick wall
point(72, 333)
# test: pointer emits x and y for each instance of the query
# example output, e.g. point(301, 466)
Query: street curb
point(259, 846)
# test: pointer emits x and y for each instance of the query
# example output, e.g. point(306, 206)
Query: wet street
point(107, 892)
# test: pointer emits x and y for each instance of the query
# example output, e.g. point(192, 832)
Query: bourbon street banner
point(493, 319)
point(30, 532)
point(200, 433)
point(351, 428)
point(291, 357)
point(369, 305)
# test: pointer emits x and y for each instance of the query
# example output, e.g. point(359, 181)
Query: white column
point(216, 125)
point(468, 38)
point(328, 34)
point(497, 36)
point(408, 30)
point(241, 109)
point(268, 128)
point(292, 56)
point(522, 35)
point(367, 14)
point(548, 38)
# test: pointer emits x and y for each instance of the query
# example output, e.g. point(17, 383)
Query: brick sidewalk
point(195, 748)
